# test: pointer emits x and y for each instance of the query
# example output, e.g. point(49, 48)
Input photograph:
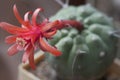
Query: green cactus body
point(86, 54)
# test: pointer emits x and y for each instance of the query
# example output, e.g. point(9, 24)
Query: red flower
point(30, 35)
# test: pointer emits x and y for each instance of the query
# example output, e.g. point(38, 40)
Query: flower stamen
point(21, 42)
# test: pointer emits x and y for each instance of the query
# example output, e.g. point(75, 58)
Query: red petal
point(49, 34)
point(20, 48)
point(49, 26)
point(10, 39)
point(16, 13)
point(27, 20)
point(49, 48)
point(35, 14)
point(44, 22)
point(42, 48)
point(12, 50)
point(27, 53)
point(26, 16)
point(33, 39)
point(12, 29)
point(31, 61)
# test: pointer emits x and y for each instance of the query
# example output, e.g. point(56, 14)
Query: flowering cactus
point(86, 50)
point(88, 53)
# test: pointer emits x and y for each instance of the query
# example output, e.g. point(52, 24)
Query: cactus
point(86, 54)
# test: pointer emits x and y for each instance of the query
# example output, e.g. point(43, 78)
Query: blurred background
point(8, 65)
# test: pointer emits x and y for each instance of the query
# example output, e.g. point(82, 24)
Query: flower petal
point(27, 20)
point(10, 39)
point(49, 34)
point(49, 26)
point(12, 50)
point(42, 48)
point(46, 20)
point(16, 13)
point(33, 39)
point(12, 29)
point(26, 16)
point(31, 61)
point(20, 48)
point(28, 51)
point(49, 48)
point(35, 14)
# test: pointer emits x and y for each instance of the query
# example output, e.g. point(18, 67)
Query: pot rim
point(23, 67)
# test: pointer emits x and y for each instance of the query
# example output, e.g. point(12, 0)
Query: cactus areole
point(88, 53)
